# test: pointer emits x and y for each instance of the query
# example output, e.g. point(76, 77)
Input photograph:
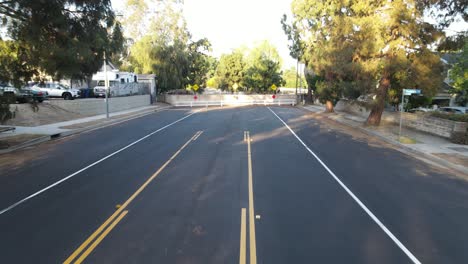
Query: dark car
point(38, 95)
point(23, 95)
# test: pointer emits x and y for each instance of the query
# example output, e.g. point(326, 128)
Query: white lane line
point(91, 165)
point(376, 220)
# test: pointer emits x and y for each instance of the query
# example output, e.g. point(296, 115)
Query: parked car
point(420, 110)
point(453, 110)
point(38, 95)
point(8, 92)
point(15, 94)
point(57, 90)
point(23, 96)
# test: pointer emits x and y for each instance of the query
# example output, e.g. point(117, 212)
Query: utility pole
point(297, 72)
point(106, 85)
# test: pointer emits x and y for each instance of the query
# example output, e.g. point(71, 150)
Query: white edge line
point(356, 199)
point(91, 165)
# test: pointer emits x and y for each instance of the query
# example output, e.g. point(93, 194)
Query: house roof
point(110, 67)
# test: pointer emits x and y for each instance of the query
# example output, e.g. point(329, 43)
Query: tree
point(65, 38)
point(15, 63)
point(289, 76)
point(199, 62)
point(163, 45)
point(362, 47)
point(459, 77)
point(230, 71)
point(263, 68)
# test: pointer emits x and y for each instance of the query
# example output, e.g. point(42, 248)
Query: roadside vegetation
point(373, 47)
point(350, 49)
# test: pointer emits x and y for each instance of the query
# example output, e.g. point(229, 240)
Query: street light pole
point(297, 72)
point(401, 113)
point(106, 85)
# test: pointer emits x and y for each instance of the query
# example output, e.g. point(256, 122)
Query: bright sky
point(229, 24)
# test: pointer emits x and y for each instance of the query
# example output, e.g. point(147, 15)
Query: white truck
point(120, 83)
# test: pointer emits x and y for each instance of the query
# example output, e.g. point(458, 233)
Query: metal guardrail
point(238, 103)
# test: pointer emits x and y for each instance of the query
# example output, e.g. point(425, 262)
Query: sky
point(229, 24)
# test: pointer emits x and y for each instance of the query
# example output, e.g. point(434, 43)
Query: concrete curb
point(426, 157)
point(39, 140)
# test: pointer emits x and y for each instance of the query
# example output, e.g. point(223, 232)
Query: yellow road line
point(129, 200)
point(242, 254)
point(252, 240)
point(100, 238)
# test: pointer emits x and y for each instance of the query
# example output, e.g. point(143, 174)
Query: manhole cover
point(459, 149)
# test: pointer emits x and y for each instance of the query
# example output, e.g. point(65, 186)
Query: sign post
point(403, 93)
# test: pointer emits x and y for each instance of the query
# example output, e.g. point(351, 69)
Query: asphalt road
point(233, 185)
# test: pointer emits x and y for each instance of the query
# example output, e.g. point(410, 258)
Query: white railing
point(195, 103)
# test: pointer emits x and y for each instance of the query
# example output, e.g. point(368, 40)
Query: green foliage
point(289, 77)
point(230, 71)
point(327, 91)
point(459, 77)
point(62, 38)
point(212, 83)
point(200, 63)
point(15, 63)
point(358, 45)
point(415, 101)
point(263, 68)
point(164, 47)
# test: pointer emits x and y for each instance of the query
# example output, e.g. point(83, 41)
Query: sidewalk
point(46, 132)
point(426, 146)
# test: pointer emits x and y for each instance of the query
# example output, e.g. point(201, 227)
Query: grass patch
point(407, 140)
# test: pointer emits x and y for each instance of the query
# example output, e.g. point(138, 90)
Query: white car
point(58, 90)
point(454, 110)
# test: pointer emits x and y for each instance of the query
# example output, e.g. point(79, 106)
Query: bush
point(453, 117)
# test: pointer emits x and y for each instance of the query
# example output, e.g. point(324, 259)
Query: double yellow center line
point(120, 213)
point(243, 238)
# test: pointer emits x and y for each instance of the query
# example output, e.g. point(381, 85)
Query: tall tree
point(263, 68)
point(199, 62)
point(230, 71)
point(356, 45)
point(459, 77)
point(66, 38)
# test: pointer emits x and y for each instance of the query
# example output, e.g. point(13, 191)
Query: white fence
point(221, 103)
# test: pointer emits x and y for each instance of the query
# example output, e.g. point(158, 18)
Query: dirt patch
point(46, 114)
point(454, 158)
point(8, 142)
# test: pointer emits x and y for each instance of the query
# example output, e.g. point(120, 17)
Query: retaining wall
point(94, 106)
point(422, 122)
point(228, 99)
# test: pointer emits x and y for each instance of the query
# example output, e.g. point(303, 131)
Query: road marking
point(129, 200)
point(91, 165)
point(242, 254)
point(197, 136)
point(252, 240)
point(100, 238)
point(355, 198)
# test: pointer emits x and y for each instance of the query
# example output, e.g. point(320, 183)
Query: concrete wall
point(93, 106)
point(422, 122)
point(226, 98)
